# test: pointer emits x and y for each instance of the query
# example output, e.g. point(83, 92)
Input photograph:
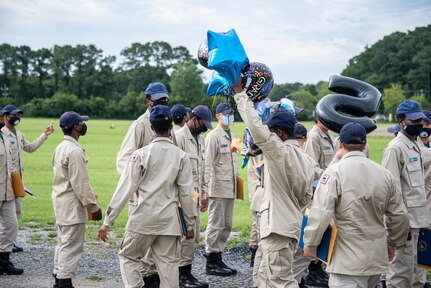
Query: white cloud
point(303, 41)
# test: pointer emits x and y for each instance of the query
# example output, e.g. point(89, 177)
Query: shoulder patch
point(325, 178)
point(133, 158)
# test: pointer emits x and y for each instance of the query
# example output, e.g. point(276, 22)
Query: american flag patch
point(324, 179)
point(133, 158)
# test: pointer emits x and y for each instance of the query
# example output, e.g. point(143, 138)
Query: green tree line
point(47, 82)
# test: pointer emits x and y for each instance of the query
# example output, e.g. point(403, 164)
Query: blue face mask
point(227, 120)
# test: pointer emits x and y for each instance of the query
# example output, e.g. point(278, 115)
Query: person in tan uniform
point(221, 171)
point(180, 115)
point(402, 157)
point(72, 198)
point(364, 201)
point(8, 220)
point(321, 147)
point(189, 138)
point(17, 144)
point(288, 181)
point(162, 175)
point(140, 135)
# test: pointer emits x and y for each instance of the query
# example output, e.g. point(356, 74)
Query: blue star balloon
point(219, 86)
point(226, 55)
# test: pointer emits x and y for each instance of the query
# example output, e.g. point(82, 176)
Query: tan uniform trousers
point(300, 265)
point(350, 281)
point(166, 254)
point(254, 231)
point(402, 270)
point(69, 249)
point(18, 205)
point(258, 257)
point(275, 270)
point(220, 215)
point(148, 267)
point(188, 246)
point(8, 225)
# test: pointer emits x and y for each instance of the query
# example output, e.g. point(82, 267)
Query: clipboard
point(181, 221)
point(239, 188)
point(90, 215)
point(326, 247)
point(17, 185)
point(424, 249)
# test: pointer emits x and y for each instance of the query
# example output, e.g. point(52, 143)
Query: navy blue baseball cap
point(394, 129)
point(71, 118)
point(157, 91)
point(178, 111)
point(160, 113)
point(300, 131)
point(224, 108)
point(204, 113)
point(2, 111)
point(353, 133)
point(411, 109)
point(427, 116)
point(282, 119)
point(12, 109)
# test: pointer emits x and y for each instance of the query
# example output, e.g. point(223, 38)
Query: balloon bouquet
point(224, 53)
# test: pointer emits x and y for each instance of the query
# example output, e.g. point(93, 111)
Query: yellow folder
point(239, 188)
point(17, 185)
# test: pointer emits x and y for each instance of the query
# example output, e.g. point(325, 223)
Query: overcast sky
point(301, 40)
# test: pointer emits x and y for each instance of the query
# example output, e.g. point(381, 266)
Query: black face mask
point(413, 130)
point(425, 133)
point(200, 129)
point(14, 120)
point(83, 130)
point(1, 125)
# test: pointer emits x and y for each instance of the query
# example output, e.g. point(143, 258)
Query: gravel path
point(99, 265)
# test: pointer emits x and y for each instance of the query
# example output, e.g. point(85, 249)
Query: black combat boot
point(16, 249)
point(316, 276)
point(65, 283)
point(152, 281)
point(214, 267)
point(6, 267)
point(221, 263)
point(187, 280)
point(253, 255)
point(56, 281)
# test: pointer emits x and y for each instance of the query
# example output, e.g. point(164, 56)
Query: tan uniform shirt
point(138, 136)
point(196, 153)
point(255, 185)
point(357, 193)
point(176, 127)
point(6, 191)
point(402, 158)
point(288, 181)
point(162, 175)
point(17, 143)
point(220, 164)
point(71, 189)
point(320, 146)
point(426, 159)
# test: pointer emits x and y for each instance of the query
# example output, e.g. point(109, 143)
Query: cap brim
point(208, 124)
point(416, 116)
point(298, 110)
point(267, 123)
point(157, 96)
point(188, 110)
point(393, 129)
point(84, 118)
point(16, 111)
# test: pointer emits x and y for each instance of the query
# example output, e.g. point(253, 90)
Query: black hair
point(178, 120)
point(161, 126)
point(67, 130)
point(401, 116)
point(289, 131)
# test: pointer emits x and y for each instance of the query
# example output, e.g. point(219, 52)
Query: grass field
point(101, 145)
